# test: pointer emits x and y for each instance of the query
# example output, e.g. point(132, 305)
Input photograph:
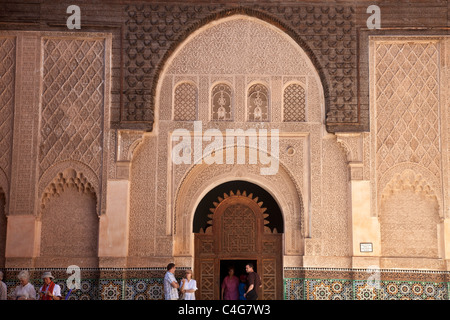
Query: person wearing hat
point(50, 290)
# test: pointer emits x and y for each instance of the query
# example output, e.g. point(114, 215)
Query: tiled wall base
point(147, 284)
point(336, 289)
point(347, 284)
point(111, 289)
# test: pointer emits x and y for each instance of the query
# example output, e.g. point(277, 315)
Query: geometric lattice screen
point(185, 102)
point(294, 103)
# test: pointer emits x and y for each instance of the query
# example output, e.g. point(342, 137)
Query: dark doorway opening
point(239, 268)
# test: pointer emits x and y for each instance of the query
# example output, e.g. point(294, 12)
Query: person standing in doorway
point(253, 283)
point(230, 286)
point(170, 283)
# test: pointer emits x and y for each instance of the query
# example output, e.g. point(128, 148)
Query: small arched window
point(185, 102)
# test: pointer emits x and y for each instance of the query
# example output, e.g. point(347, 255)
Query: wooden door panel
point(268, 279)
point(207, 279)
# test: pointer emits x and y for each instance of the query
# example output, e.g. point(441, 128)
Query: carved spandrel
point(152, 30)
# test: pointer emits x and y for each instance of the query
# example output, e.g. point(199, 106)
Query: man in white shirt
point(170, 283)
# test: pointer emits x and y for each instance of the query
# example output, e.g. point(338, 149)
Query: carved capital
point(353, 145)
point(356, 170)
point(128, 140)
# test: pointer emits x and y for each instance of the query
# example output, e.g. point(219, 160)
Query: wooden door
point(238, 231)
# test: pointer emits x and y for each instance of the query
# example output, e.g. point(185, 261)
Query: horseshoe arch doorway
point(235, 222)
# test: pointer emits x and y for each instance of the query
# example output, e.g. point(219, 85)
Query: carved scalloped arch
point(196, 167)
point(416, 180)
point(238, 193)
point(65, 174)
point(199, 179)
point(239, 12)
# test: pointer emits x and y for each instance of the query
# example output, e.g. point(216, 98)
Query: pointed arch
point(304, 55)
point(202, 178)
point(182, 37)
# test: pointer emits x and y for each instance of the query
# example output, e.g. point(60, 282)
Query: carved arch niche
point(410, 223)
point(202, 178)
point(221, 102)
point(68, 221)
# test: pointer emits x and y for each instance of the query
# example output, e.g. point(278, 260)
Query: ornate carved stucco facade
point(87, 140)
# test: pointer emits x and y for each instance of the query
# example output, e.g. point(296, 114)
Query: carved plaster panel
point(75, 104)
point(7, 82)
point(409, 217)
point(408, 112)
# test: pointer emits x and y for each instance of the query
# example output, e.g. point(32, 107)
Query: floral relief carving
point(409, 217)
point(406, 117)
point(72, 102)
point(407, 103)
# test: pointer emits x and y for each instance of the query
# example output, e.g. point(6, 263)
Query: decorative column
point(22, 229)
point(365, 228)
